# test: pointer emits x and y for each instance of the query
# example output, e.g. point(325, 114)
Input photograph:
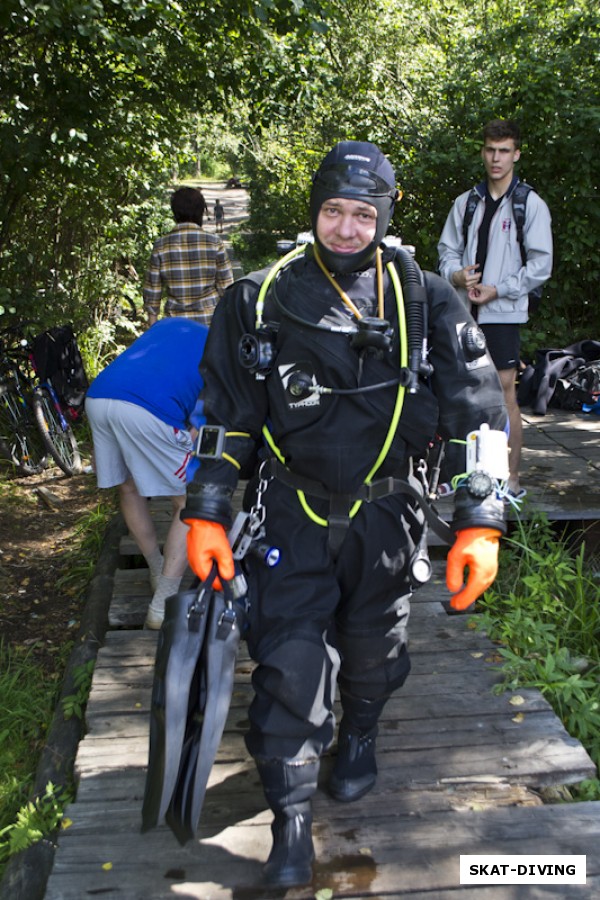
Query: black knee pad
point(294, 686)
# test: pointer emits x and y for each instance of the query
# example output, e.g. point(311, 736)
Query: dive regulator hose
point(416, 318)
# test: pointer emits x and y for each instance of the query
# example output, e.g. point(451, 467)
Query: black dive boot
point(355, 770)
point(288, 787)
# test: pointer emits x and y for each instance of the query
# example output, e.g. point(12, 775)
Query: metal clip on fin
point(200, 604)
point(226, 624)
point(196, 611)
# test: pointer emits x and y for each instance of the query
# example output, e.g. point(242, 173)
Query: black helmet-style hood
point(355, 170)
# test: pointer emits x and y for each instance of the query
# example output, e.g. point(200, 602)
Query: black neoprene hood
point(356, 170)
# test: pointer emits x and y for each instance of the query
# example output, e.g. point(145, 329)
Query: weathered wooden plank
point(478, 668)
point(393, 734)
point(130, 613)
point(131, 599)
point(445, 635)
point(581, 443)
point(161, 512)
point(234, 794)
point(502, 755)
point(128, 581)
point(152, 889)
point(557, 420)
point(477, 665)
point(399, 832)
point(227, 803)
point(415, 701)
point(449, 637)
point(538, 762)
point(116, 785)
point(129, 610)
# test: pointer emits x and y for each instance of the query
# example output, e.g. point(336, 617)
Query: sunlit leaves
point(95, 101)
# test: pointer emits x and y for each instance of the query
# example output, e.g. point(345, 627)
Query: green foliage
point(25, 709)
point(421, 80)
point(97, 102)
point(28, 700)
point(543, 76)
point(105, 338)
point(88, 537)
point(255, 252)
point(104, 105)
point(74, 704)
point(35, 820)
point(544, 608)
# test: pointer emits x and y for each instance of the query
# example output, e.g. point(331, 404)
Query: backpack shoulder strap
point(472, 201)
point(519, 203)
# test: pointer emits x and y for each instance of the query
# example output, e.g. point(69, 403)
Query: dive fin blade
point(177, 654)
point(208, 715)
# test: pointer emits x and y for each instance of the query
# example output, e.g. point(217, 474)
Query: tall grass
point(27, 700)
point(28, 697)
point(545, 609)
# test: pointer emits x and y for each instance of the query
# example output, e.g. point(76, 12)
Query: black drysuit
point(321, 616)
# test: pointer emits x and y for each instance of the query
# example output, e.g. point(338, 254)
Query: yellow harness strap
point(397, 406)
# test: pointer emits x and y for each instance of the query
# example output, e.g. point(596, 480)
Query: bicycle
point(20, 441)
point(33, 423)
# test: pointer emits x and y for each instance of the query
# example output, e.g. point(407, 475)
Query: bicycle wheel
point(19, 438)
point(57, 435)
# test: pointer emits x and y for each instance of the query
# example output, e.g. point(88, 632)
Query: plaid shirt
point(193, 269)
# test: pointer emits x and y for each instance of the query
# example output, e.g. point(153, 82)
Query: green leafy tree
point(421, 80)
point(95, 101)
point(536, 63)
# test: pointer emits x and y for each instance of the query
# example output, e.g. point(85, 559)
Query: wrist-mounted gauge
point(210, 442)
point(479, 484)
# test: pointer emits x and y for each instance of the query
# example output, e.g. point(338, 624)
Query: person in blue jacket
point(143, 412)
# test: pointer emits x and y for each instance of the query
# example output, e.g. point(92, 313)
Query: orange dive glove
point(476, 548)
point(207, 543)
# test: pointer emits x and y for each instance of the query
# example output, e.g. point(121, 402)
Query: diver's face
point(346, 226)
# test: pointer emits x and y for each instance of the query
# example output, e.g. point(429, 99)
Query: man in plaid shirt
point(189, 265)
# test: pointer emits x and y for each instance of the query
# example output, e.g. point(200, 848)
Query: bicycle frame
point(56, 402)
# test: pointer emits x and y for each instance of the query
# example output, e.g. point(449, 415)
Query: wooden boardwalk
point(462, 769)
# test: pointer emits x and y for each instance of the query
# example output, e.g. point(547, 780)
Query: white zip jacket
point(503, 266)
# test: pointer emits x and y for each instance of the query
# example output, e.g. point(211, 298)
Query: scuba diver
point(328, 375)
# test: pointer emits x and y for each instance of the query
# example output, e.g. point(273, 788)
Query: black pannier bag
point(57, 357)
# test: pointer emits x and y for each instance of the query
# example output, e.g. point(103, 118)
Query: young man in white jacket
point(491, 272)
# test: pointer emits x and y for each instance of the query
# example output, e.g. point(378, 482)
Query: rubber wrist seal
point(474, 512)
point(211, 502)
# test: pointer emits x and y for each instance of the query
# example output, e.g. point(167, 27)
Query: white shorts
point(129, 442)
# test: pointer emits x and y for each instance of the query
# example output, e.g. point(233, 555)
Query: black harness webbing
point(339, 504)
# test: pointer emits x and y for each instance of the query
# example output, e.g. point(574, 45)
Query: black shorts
point(504, 345)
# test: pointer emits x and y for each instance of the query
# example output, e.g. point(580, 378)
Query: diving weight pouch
point(191, 693)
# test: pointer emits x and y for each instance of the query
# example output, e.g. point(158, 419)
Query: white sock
point(166, 585)
point(155, 562)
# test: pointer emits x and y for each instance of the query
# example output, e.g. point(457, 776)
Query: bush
point(544, 608)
